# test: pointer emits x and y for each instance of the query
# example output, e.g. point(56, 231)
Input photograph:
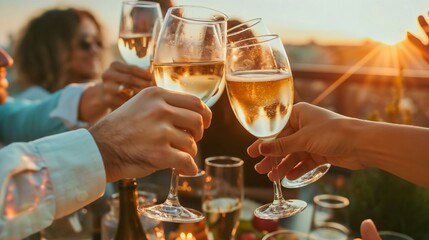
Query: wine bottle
point(129, 226)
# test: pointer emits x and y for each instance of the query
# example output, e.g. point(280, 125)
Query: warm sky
point(326, 21)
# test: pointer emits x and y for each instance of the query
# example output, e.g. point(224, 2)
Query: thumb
point(368, 230)
point(282, 146)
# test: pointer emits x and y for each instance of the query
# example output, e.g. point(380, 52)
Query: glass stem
point(278, 195)
point(172, 198)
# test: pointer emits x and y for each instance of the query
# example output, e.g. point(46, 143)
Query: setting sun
point(390, 38)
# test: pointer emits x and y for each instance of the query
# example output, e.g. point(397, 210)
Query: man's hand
point(154, 130)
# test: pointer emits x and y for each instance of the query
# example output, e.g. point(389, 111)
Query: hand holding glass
point(189, 58)
point(260, 91)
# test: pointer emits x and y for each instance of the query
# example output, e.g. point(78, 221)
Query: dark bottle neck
point(129, 226)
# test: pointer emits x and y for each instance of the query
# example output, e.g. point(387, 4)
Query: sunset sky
point(297, 21)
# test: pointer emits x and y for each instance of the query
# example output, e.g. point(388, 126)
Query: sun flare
point(390, 39)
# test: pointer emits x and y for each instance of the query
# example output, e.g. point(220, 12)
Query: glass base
point(307, 178)
point(168, 213)
point(286, 208)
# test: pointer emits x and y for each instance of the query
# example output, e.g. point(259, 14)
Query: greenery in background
point(393, 203)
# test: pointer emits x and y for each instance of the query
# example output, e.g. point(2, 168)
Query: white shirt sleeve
point(47, 179)
point(68, 106)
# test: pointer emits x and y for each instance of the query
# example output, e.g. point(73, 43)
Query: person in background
point(57, 48)
point(423, 48)
point(54, 176)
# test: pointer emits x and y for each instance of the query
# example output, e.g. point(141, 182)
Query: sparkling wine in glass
point(190, 53)
point(189, 58)
point(256, 27)
point(260, 90)
point(140, 24)
point(222, 196)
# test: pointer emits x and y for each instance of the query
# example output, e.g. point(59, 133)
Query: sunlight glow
point(390, 39)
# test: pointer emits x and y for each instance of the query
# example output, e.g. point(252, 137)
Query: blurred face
point(5, 62)
point(86, 50)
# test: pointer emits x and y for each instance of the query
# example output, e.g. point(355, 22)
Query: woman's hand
point(121, 81)
point(423, 48)
point(313, 136)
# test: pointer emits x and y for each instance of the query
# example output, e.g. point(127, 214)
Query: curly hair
point(44, 48)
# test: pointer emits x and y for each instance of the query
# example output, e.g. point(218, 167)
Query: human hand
point(423, 48)
point(121, 81)
point(156, 129)
point(3, 87)
point(368, 231)
point(313, 136)
point(5, 62)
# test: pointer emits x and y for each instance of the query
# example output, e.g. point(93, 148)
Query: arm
point(56, 175)
point(28, 120)
point(315, 136)
point(69, 108)
point(47, 179)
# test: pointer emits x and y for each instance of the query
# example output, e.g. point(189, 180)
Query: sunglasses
point(86, 44)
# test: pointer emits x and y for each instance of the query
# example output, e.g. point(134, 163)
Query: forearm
point(40, 183)
point(399, 149)
point(26, 120)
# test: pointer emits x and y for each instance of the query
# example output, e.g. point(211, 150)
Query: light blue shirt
point(23, 120)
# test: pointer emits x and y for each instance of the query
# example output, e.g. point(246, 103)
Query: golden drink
point(222, 217)
point(136, 48)
point(261, 100)
point(201, 79)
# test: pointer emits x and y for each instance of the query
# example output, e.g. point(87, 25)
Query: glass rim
point(199, 174)
point(341, 201)
point(259, 39)
point(252, 23)
point(237, 161)
point(141, 3)
point(206, 21)
point(271, 234)
point(395, 234)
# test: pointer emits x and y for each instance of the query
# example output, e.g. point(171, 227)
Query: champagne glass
point(330, 217)
point(288, 235)
point(189, 58)
point(190, 53)
point(139, 27)
point(223, 195)
point(260, 90)
point(256, 27)
point(250, 28)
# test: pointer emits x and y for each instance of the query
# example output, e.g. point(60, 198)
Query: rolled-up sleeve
point(47, 179)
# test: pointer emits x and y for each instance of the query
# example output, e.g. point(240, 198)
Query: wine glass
point(256, 27)
point(250, 28)
point(260, 90)
point(288, 235)
point(189, 58)
point(330, 217)
point(222, 196)
point(139, 27)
